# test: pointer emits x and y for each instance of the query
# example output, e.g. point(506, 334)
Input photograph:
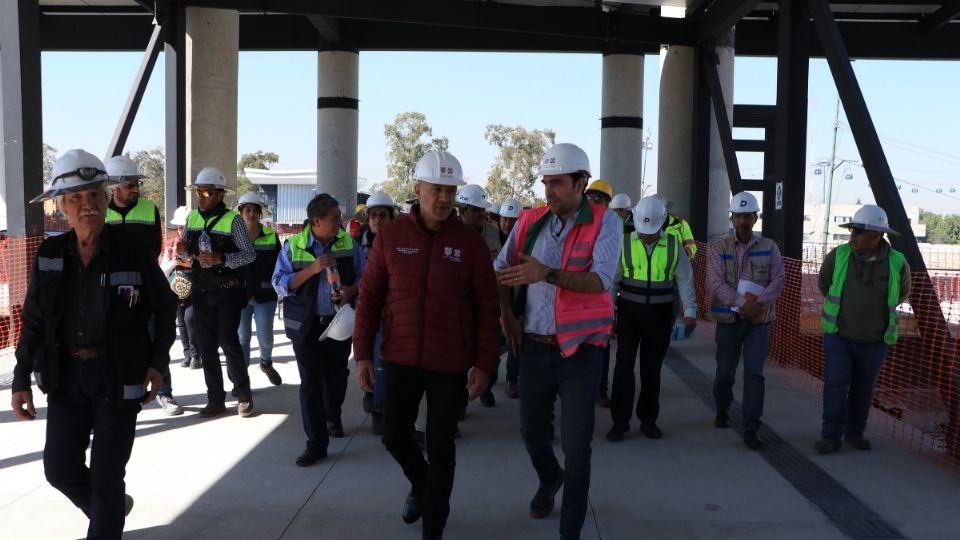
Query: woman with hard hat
point(180, 282)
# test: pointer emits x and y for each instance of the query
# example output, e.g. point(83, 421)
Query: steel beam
point(720, 17)
point(708, 64)
point(22, 116)
point(140, 81)
point(938, 19)
point(173, 22)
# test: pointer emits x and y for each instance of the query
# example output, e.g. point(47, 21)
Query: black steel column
point(22, 115)
point(708, 64)
point(785, 216)
point(173, 22)
point(130, 108)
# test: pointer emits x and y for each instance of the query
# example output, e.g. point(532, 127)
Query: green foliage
point(941, 229)
point(152, 164)
point(255, 160)
point(514, 172)
point(408, 137)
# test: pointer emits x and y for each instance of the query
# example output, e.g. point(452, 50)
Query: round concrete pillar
point(718, 211)
point(212, 58)
point(621, 125)
point(674, 133)
point(338, 81)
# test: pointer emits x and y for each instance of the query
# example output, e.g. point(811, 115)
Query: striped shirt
point(283, 274)
point(538, 317)
point(727, 292)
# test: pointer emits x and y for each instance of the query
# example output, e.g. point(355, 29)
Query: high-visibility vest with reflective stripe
point(648, 277)
point(579, 317)
point(759, 258)
point(299, 307)
point(144, 213)
point(831, 304)
point(681, 229)
point(221, 239)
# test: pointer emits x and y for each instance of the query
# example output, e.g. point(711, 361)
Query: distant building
point(289, 191)
point(841, 213)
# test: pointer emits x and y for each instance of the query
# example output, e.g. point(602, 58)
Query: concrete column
point(338, 81)
point(212, 58)
point(718, 213)
point(3, 176)
point(675, 134)
point(621, 125)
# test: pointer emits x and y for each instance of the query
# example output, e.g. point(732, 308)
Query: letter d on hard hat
point(744, 203)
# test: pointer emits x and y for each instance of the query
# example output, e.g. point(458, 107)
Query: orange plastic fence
point(917, 399)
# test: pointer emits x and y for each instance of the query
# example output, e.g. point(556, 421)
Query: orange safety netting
point(917, 398)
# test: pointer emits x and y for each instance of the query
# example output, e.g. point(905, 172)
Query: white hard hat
point(251, 198)
point(494, 208)
point(180, 216)
point(744, 203)
point(439, 168)
point(210, 177)
point(564, 158)
point(511, 208)
point(620, 201)
point(379, 198)
point(473, 195)
point(649, 215)
point(872, 218)
point(76, 170)
point(122, 167)
point(341, 327)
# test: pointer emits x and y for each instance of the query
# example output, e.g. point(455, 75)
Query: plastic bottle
point(206, 246)
point(333, 278)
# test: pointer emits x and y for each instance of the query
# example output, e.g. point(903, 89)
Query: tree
point(152, 164)
point(49, 158)
point(515, 171)
point(255, 160)
point(408, 139)
point(941, 229)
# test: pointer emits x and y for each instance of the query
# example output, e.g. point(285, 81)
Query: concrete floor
point(232, 477)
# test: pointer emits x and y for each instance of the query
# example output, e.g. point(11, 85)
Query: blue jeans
point(544, 374)
point(753, 340)
point(264, 314)
point(849, 376)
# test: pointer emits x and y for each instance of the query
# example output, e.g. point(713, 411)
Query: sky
point(911, 103)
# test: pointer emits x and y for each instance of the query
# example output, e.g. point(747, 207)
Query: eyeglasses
point(133, 184)
point(597, 198)
point(206, 194)
point(86, 173)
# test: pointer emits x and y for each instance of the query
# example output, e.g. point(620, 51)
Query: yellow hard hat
point(360, 208)
point(602, 186)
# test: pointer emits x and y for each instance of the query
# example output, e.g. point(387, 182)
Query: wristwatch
point(551, 276)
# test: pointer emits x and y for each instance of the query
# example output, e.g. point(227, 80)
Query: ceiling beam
point(938, 19)
point(718, 18)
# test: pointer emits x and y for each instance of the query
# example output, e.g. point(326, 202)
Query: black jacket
point(128, 347)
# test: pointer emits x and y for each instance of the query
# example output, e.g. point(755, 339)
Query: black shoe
point(826, 445)
point(368, 402)
point(412, 507)
point(722, 420)
point(196, 363)
point(335, 429)
point(212, 409)
point(377, 424)
point(309, 457)
point(617, 431)
point(858, 442)
point(650, 430)
point(487, 399)
point(752, 441)
point(185, 363)
point(542, 503)
point(272, 374)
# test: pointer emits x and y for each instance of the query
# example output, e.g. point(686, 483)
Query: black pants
point(216, 316)
point(79, 405)
point(605, 376)
point(647, 328)
point(433, 478)
point(186, 328)
point(323, 383)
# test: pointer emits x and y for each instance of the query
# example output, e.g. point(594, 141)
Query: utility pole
point(647, 145)
point(828, 189)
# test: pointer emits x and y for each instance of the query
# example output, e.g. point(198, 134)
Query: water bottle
point(333, 278)
point(679, 332)
point(206, 246)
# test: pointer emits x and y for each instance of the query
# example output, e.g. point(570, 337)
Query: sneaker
point(487, 399)
point(169, 406)
point(826, 445)
point(542, 503)
point(196, 363)
point(212, 409)
point(272, 374)
point(752, 441)
point(858, 442)
point(722, 420)
point(127, 504)
point(245, 406)
point(650, 430)
point(617, 432)
point(185, 363)
point(511, 390)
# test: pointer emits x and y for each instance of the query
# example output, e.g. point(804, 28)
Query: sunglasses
point(86, 173)
point(206, 194)
point(133, 184)
point(857, 230)
point(597, 198)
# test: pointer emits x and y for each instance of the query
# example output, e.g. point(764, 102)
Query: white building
point(289, 192)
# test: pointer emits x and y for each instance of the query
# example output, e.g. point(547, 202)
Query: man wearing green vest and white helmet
point(317, 276)
point(862, 282)
point(262, 306)
point(141, 217)
point(217, 243)
point(678, 226)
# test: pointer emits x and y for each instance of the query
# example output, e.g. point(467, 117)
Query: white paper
point(746, 286)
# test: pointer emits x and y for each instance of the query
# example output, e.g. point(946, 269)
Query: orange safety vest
point(579, 317)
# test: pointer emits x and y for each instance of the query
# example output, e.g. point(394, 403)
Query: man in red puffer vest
point(429, 279)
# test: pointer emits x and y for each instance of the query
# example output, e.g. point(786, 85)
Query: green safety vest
point(144, 213)
point(681, 229)
point(648, 277)
point(831, 304)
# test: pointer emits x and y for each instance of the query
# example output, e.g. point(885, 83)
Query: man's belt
point(537, 338)
point(81, 354)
